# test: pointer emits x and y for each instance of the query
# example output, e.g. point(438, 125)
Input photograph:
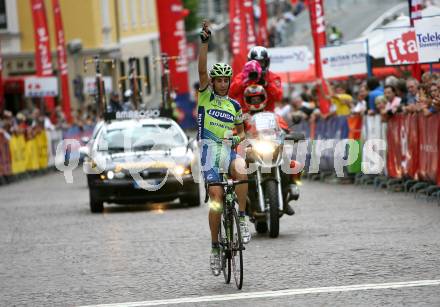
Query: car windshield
point(141, 137)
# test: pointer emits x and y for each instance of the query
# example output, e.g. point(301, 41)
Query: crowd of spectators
point(31, 121)
point(365, 97)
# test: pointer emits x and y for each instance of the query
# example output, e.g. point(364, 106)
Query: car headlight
point(110, 175)
point(263, 147)
point(181, 170)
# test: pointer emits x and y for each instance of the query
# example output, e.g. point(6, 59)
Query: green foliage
point(192, 21)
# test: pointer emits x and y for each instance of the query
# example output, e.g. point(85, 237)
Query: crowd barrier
point(412, 156)
point(34, 150)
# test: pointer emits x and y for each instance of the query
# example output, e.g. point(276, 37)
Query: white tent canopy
point(377, 37)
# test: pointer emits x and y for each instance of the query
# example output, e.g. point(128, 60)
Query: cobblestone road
point(55, 252)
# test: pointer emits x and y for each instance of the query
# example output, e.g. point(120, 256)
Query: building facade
point(112, 29)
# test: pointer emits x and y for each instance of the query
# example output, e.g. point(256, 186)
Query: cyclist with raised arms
point(218, 115)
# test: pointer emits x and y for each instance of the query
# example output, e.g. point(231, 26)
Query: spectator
point(361, 103)
point(115, 103)
point(411, 85)
point(341, 101)
point(393, 101)
point(375, 90)
point(402, 91)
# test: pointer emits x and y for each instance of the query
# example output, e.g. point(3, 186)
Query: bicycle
point(231, 245)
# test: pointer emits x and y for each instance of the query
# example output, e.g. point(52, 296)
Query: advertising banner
point(409, 135)
point(43, 57)
point(344, 60)
point(429, 142)
point(62, 58)
point(41, 87)
point(394, 145)
point(289, 59)
point(90, 85)
point(173, 41)
point(263, 36)
point(317, 25)
point(401, 47)
point(428, 39)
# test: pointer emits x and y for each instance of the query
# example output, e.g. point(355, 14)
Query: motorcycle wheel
point(271, 193)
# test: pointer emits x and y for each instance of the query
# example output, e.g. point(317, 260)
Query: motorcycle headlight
point(264, 148)
point(110, 175)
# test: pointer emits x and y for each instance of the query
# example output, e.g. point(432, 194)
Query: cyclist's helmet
point(260, 54)
point(255, 97)
point(220, 70)
point(252, 71)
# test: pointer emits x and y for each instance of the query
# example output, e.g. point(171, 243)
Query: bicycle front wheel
point(237, 250)
point(225, 253)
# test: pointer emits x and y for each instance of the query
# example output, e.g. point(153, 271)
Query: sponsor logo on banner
point(345, 60)
point(90, 85)
point(428, 39)
point(402, 49)
point(289, 59)
point(41, 87)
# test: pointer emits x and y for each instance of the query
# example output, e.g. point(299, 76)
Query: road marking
point(278, 293)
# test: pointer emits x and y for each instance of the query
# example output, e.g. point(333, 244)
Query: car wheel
point(96, 206)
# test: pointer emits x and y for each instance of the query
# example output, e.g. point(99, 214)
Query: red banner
point(429, 129)
point(263, 36)
point(394, 143)
point(415, 9)
point(62, 58)
point(173, 41)
point(242, 30)
point(409, 135)
point(317, 24)
point(2, 91)
point(43, 57)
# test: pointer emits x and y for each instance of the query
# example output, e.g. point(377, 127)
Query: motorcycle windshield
point(264, 126)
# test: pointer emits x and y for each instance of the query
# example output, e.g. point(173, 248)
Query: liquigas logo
point(222, 115)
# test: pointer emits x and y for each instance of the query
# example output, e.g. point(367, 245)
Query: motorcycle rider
point(256, 99)
point(218, 115)
point(257, 74)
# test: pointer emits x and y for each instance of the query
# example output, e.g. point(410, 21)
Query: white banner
point(344, 60)
point(400, 46)
point(428, 39)
point(41, 87)
point(289, 59)
point(90, 85)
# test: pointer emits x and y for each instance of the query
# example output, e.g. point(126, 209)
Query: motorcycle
point(265, 208)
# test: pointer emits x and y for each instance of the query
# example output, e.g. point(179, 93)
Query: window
point(3, 16)
point(105, 12)
point(147, 74)
point(143, 10)
point(124, 19)
point(151, 15)
point(133, 13)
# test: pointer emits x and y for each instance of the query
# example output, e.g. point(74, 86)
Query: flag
point(263, 36)
point(317, 24)
point(62, 59)
point(43, 57)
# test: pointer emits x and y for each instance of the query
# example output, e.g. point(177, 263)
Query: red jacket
point(273, 89)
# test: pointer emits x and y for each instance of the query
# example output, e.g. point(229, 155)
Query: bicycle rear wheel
point(237, 250)
point(225, 253)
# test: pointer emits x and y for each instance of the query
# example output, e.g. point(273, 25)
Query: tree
point(192, 21)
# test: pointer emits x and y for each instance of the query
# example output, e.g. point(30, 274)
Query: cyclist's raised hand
point(205, 34)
